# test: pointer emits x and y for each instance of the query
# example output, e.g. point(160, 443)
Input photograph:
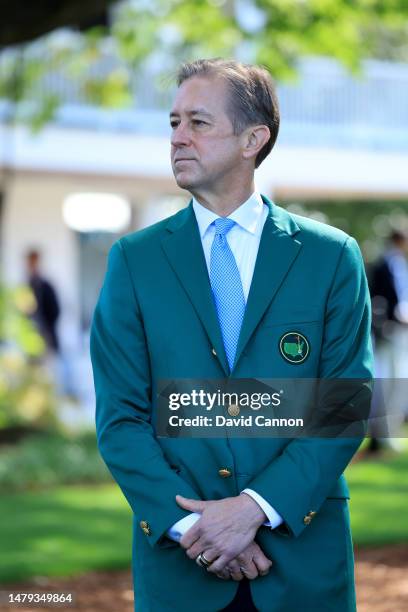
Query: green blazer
point(155, 319)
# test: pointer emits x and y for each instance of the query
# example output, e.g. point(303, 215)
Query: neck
point(224, 204)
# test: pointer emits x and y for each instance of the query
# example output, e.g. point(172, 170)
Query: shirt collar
point(247, 215)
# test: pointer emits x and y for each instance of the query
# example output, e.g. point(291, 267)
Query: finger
point(224, 575)
point(262, 563)
point(210, 554)
point(194, 505)
point(249, 570)
point(198, 547)
point(219, 564)
point(190, 537)
point(234, 570)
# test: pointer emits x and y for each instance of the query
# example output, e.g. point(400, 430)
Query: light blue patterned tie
point(227, 288)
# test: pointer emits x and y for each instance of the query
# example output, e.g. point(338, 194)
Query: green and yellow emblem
point(294, 347)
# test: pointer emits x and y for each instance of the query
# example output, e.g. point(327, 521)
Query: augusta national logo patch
point(294, 347)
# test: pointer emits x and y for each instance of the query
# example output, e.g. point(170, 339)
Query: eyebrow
point(193, 111)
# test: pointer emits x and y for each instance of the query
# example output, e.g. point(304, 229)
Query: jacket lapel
point(278, 250)
point(276, 254)
point(183, 248)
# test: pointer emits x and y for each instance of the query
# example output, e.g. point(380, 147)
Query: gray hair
point(252, 99)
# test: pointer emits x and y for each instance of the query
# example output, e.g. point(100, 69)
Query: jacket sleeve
point(298, 481)
point(125, 436)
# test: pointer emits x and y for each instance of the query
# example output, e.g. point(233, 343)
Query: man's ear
point(255, 137)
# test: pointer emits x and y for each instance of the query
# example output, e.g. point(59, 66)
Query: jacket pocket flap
point(292, 316)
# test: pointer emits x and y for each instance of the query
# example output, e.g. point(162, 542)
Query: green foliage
point(206, 28)
point(50, 459)
point(16, 329)
point(147, 21)
point(26, 391)
point(26, 394)
point(111, 91)
point(41, 112)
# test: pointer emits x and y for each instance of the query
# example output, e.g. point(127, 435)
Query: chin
point(184, 181)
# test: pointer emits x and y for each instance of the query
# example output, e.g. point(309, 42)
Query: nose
point(181, 135)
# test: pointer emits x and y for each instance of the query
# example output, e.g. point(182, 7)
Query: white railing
point(325, 105)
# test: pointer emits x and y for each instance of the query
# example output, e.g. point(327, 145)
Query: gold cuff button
point(308, 518)
point(145, 527)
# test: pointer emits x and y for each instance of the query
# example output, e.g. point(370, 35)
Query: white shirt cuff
point(274, 519)
point(177, 530)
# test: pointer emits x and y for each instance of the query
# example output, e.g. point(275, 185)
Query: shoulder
point(322, 244)
point(324, 239)
point(149, 238)
point(319, 232)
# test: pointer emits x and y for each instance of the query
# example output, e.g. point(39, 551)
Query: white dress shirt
point(243, 238)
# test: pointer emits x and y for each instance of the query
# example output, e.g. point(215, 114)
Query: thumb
point(195, 505)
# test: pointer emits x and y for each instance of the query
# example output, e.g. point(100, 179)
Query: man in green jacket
point(231, 287)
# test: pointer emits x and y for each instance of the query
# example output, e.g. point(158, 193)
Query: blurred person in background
point(389, 295)
point(47, 311)
point(45, 317)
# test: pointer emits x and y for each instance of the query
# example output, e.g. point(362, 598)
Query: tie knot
point(223, 225)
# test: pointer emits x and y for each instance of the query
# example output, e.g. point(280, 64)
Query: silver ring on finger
point(202, 561)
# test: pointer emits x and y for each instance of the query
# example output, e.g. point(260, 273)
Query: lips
point(182, 159)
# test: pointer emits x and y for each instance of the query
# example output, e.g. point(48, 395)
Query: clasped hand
point(225, 533)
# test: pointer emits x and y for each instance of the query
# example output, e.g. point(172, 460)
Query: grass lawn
point(63, 531)
point(379, 500)
point(72, 529)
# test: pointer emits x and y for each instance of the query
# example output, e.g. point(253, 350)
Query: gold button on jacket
point(224, 472)
point(233, 410)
